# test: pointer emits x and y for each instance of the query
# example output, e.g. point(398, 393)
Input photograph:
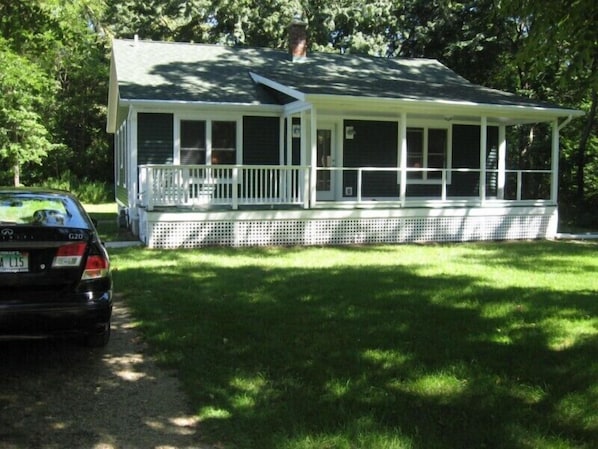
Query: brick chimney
point(298, 39)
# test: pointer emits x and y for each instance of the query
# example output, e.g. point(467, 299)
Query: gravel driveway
point(56, 394)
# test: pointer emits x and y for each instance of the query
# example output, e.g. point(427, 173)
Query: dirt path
point(57, 394)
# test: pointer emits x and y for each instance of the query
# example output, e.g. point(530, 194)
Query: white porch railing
point(222, 185)
point(269, 185)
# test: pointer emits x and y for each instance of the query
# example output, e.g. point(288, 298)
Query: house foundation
point(194, 229)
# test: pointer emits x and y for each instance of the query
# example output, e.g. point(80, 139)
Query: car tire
point(99, 338)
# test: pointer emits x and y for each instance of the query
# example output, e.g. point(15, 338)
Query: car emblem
point(7, 232)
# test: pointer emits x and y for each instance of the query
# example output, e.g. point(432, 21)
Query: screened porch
point(273, 186)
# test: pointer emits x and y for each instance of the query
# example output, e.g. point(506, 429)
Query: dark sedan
point(54, 270)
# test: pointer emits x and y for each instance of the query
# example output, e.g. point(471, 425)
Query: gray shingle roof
point(148, 70)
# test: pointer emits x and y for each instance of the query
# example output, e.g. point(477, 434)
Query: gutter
point(212, 104)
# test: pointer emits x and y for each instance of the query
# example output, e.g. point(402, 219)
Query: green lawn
point(106, 216)
point(490, 345)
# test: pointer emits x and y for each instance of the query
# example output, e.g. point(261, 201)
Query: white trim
point(502, 162)
point(296, 107)
point(554, 162)
point(565, 122)
point(313, 146)
point(403, 157)
point(445, 107)
point(334, 193)
point(339, 227)
point(162, 104)
point(277, 86)
point(483, 162)
point(133, 186)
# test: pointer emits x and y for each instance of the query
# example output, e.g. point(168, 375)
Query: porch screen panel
point(155, 140)
point(261, 138)
point(466, 154)
point(492, 161)
point(296, 144)
point(371, 144)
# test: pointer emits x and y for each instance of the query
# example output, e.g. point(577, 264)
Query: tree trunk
point(17, 174)
point(583, 144)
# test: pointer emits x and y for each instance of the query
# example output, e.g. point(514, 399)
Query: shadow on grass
point(363, 357)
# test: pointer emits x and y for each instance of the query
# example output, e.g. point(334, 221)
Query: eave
point(442, 109)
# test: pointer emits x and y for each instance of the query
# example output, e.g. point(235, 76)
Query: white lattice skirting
point(334, 227)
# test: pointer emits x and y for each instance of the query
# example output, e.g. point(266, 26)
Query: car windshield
point(40, 210)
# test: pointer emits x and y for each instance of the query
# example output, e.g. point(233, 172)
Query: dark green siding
point(261, 140)
point(374, 144)
point(154, 138)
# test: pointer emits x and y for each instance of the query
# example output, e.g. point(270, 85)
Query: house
point(241, 146)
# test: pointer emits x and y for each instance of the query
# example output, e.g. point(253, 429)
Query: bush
point(91, 192)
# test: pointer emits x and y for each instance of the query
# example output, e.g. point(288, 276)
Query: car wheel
point(99, 338)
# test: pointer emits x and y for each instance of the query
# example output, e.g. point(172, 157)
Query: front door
point(325, 154)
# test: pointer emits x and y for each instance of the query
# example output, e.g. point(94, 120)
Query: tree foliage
point(58, 61)
point(560, 53)
point(25, 97)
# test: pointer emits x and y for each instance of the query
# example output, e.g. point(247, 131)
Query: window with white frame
point(198, 146)
point(193, 142)
point(427, 149)
point(224, 142)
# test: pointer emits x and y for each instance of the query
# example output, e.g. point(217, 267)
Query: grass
point(489, 345)
point(106, 215)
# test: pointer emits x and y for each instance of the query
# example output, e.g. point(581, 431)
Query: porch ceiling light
point(350, 132)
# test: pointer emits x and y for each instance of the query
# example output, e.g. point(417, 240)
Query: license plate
point(13, 262)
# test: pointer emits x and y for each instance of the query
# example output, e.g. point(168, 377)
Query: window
point(224, 139)
point(193, 142)
point(426, 149)
point(200, 147)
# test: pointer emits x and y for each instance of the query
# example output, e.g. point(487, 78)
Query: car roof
point(37, 191)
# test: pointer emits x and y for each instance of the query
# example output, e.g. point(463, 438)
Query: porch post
point(403, 157)
point(483, 144)
point(132, 172)
point(502, 161)
point(148, 188)
point(554, 165)
point(303, 162)
point(235, 191)
point(283, 160)
point(314, 156)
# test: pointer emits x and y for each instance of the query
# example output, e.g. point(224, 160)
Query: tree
point(560, 51)
point(81, 69)
point(64, 43)
point(25, 93)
